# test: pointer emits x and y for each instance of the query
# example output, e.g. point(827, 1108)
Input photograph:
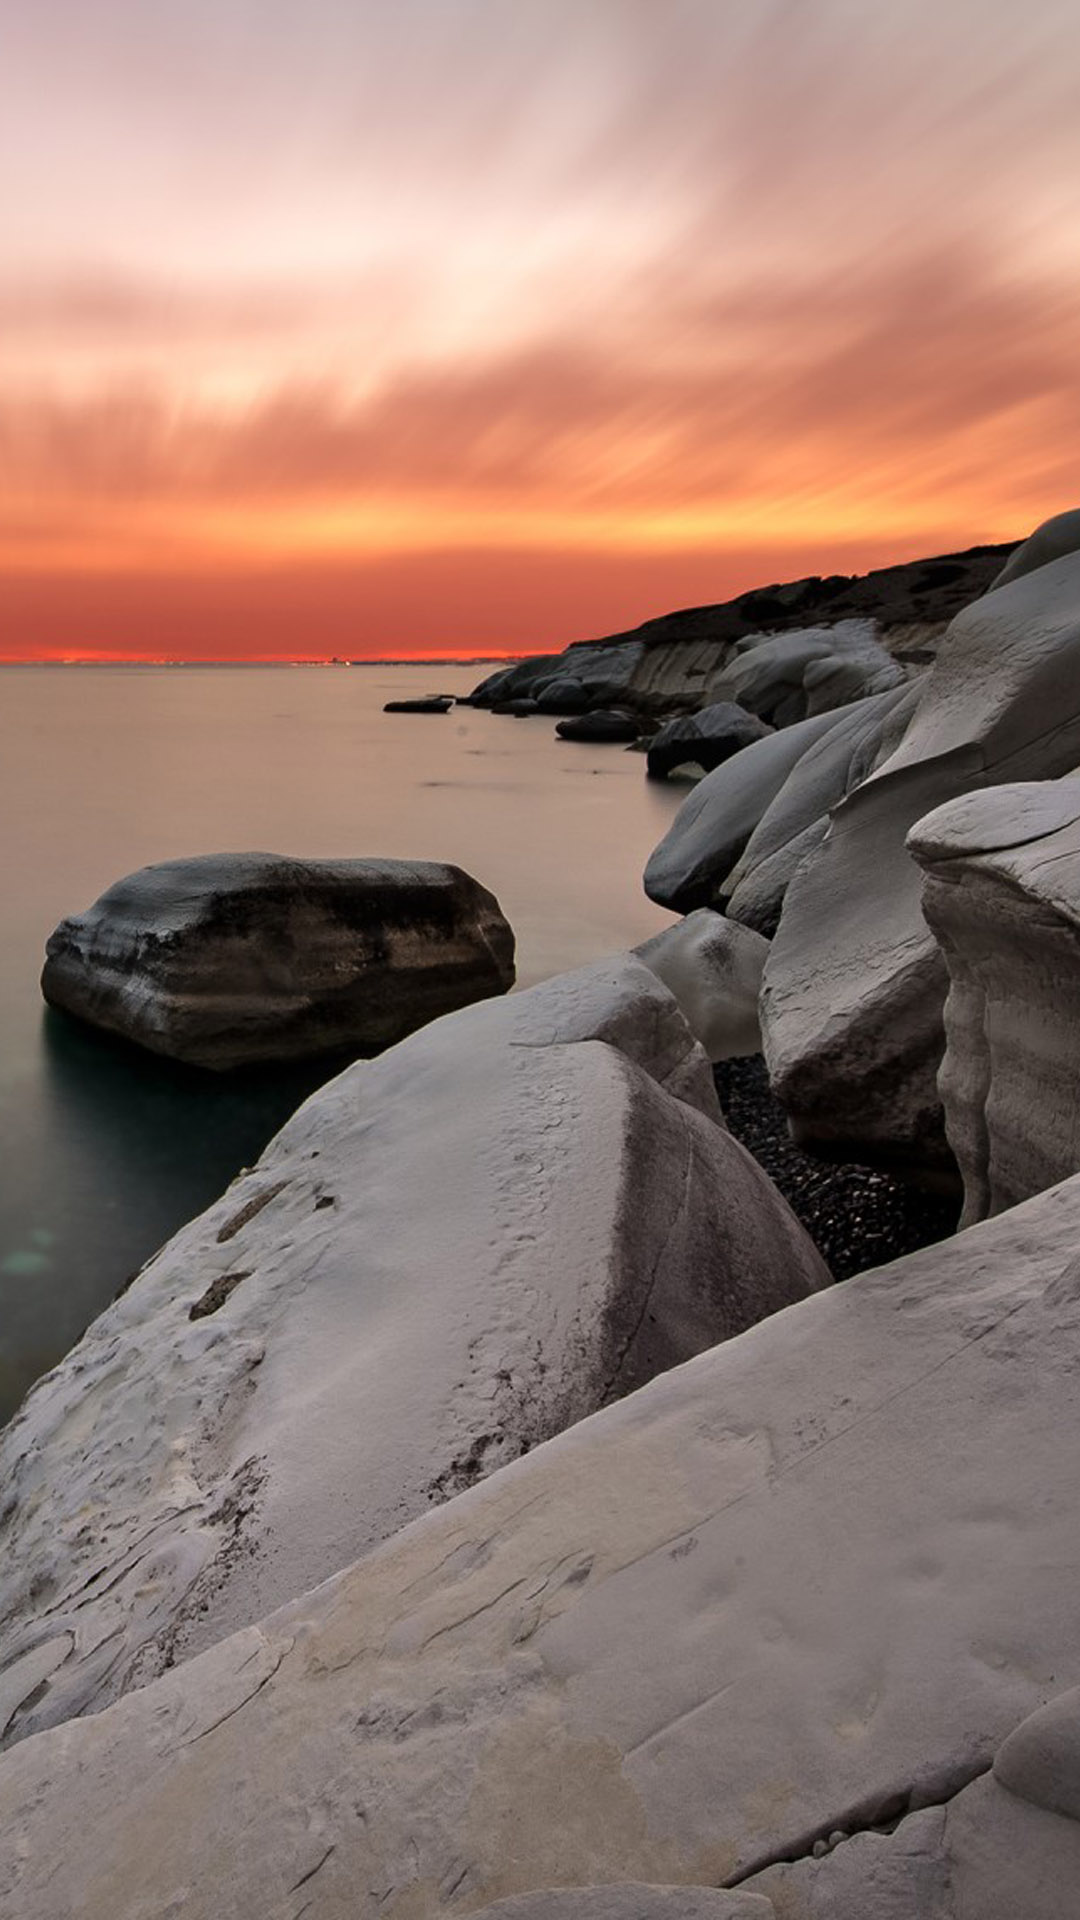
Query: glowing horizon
point(446, 329)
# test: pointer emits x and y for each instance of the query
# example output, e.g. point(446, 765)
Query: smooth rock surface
point(688, 867)
point(1002, 895)
point(631, 1901)
point(797, 820)
point(785, 677)
point(713, 967)
point(229, 959)
point(986, 1854)
point(1052, 540)
point(706, 738)
point(448, 1255)
point(818, 1572)
point(854, 988)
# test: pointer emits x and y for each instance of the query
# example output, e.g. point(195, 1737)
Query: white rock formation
point(1002, 895)
point(797, 820)
point(688, 867)
point(1051, 540)
point(629, 1901)
point(233, 958)
point(855, 984)
point(810, 1580)
point(448, 1255)
point(713, 967)
point(785, 677)
point(1006, 1846)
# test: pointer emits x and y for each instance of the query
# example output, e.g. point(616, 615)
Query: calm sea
point(105, 1152)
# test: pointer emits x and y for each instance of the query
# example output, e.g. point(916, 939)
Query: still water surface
point(104, 1152)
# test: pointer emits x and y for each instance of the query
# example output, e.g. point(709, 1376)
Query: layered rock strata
point(1002, 896)
point(231, 959)
point(803, 1586)
point(448, 1255)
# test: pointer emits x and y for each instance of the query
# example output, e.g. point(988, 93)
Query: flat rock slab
point(230, 959)
point(630, 1901)
point(447, 1256)
point(818, 1573)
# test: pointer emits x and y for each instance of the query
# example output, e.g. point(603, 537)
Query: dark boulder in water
point(433, 703)
point(230, 959)
point(605, 724)
point(707, 738)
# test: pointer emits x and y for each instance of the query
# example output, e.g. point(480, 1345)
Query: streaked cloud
point(755, 279)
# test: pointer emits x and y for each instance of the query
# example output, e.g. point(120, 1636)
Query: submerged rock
point(801, 1585)
point(433, 703)
point(1002, 895)
point(234, 958)
point(448, 1255)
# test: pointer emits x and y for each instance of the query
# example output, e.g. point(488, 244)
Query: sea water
point(105, 1151)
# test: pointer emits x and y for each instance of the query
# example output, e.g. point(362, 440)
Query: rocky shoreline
point(502, 1491)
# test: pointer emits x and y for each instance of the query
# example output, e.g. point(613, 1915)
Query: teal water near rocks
point(104, 1151)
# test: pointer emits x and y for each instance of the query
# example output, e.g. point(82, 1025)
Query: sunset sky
point(377, 326)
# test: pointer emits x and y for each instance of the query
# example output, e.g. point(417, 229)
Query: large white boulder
point(805, 1583)
point(1051, 540)
point(239, 957)
point(713, 967)
point(797, 820)
point(855, 983)
point(688, 867)
point(783, 677)
point(1002, 895)
point(448, 1255)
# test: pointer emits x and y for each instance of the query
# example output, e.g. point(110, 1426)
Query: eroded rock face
point(786, 677)
point(448, 1255)
point(713, 967)
point(706, 738)
point(229, 959)
point(804, 1583)
point(855, 983)
point(1002, 896)
point(630, 1901)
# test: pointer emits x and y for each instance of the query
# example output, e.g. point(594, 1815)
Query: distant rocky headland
point(493, 1503)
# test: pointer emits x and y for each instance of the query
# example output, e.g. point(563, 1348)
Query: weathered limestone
point(448, 1255)
point(713, 967)
point(630, 1901)
point(706, 738)
point(994, 1850)
point(855, 983)
point(808, 1580)
point(688, 867)
point(1002, 895)
point(234, 958)
point(797, 820)
point(1052, 540)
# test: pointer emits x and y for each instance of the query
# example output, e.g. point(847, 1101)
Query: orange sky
point(463, 326)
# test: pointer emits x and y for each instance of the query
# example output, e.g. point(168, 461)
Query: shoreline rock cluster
point(488, 1504)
